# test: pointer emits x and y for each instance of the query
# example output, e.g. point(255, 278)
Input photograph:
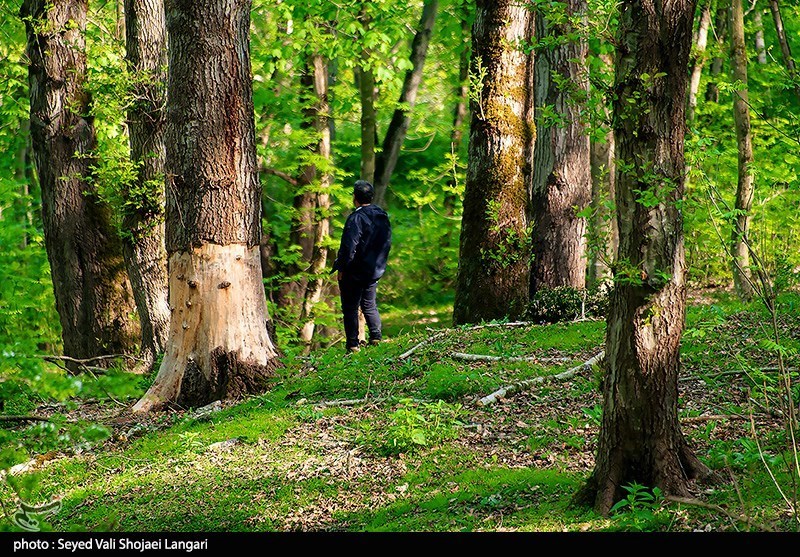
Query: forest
point(590, 310)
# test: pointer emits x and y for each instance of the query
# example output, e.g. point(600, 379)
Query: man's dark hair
point(363, 191)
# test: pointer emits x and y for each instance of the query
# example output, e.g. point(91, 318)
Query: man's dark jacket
point(365, 245)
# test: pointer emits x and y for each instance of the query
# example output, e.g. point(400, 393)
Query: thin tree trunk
point(561, 184)
point(744, 143)
point(698, 59)
point(462, 89)
point(366, 86)
point(398, 127)
point(761, 46)
point(720, 33)
point(640, 436)
point(92, 291)
point(786, 51)
point(494, 257)
point(143, 219)
point(319, 256)
point(603, 224)
point(219, 346)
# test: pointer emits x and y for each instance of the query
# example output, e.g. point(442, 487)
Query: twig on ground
point(708, 418)
point(486, 358)
point(522, 385)
point(24, 419)
point(702, 504)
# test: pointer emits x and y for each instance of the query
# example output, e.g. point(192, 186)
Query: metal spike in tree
point(640, 437)
point(744, 142)
point(786, 50)
point(92, 291)
point(401, 119)
point(218, 345)
point(494, 255)
point(561, 184)
point(143, 216)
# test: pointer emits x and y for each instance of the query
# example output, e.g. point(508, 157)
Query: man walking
point(365, 245)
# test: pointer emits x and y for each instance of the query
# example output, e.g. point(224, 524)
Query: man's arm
point(347, 248)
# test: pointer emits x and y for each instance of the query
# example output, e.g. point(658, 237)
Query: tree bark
point(786, 51)
point(401, 119)
point(218, 345)
point(561, 184)
point(720, 32)
point(143, 216)
point(744, 144)
point(603, 224)
point(494, 256)
point(761, 46)
point(640, 437)
point(319, 256)
point(366, 87)
point(92, 291)
point(698, 59)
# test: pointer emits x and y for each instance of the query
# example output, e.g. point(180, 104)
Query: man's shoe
point(374, 342)
point(351, 349)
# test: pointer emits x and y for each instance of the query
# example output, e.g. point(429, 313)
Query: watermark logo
point(28, 516)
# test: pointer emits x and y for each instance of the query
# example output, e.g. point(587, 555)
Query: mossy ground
point(370, 442)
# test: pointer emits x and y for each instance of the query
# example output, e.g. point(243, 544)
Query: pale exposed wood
point(698, 59)
point(528, 383)
point(218, 307)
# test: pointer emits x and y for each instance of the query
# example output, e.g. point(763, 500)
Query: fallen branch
point(702, 504)
point(485, 358)
point(23, 419)
point(522, 385)
point(444, 332)
point(708, 418)
point(280, 174)
point(84, 361)
point(347, 402)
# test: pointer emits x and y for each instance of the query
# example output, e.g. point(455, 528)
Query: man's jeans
point(355, 294)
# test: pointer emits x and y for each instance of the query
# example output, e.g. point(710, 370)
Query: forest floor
point(378, 442)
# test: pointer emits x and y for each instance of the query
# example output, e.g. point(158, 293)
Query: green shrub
point(564, 303)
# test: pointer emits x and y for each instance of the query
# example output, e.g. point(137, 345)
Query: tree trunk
point(720, 32)
point(561, 184)
point(786, 51)
point(698, 59)
point(143, 217)
point(398, 127)
point(319, 257)
point(366, 87)
point(640, 437)
point(603, 224)
point(92, 291)
point(761, 46)
point(494, 257)
point(462, 90)
point(744, 143)
point(218, 344)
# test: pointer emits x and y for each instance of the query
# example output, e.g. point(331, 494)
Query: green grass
point(423, 456)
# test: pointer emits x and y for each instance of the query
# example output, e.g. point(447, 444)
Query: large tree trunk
point(494, 258)
point(143, 218)
point(319, 256)
point(698, 59)
point(603, 231)
point(717, 62)
point(561, 184)
point(640, 437)
point(92, 291)
point(218, 345)
point(744, 143)
point(786, 51)
point(398, 127)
